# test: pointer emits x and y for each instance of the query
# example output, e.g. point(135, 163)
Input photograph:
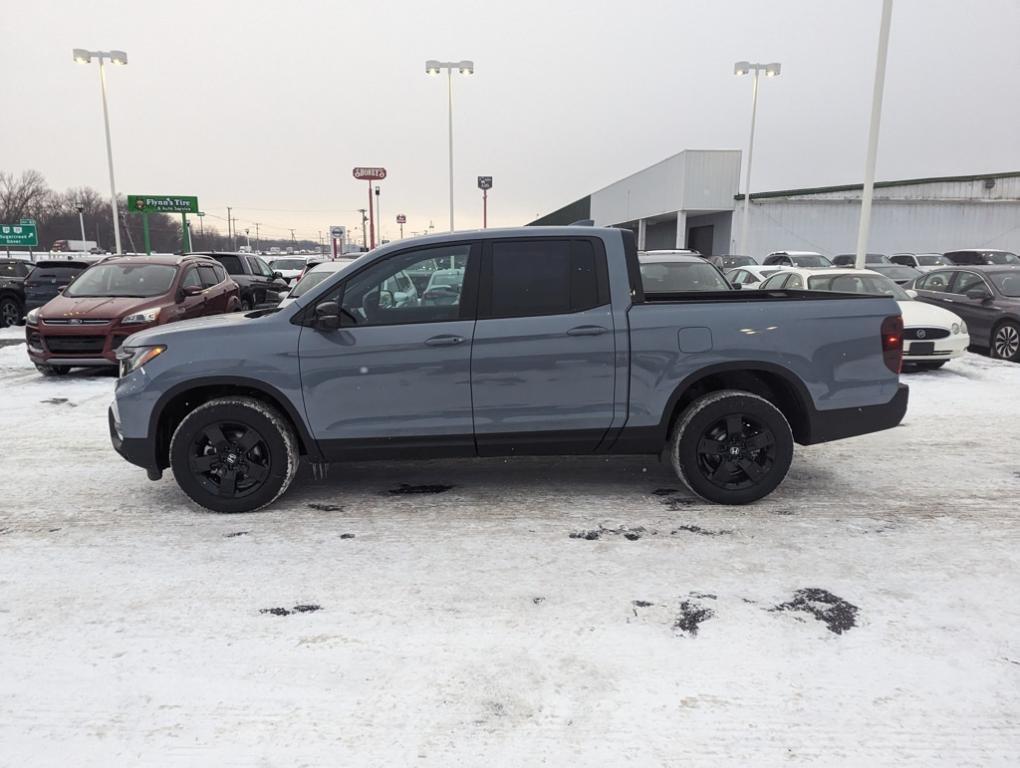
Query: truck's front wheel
point(731, 447)
point(234, 454)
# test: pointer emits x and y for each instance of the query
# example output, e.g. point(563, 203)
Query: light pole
point(743, 68)
point(876, 116)
point(80, 207)
point(465, 67)
point(83, 56)
point(364, 232)
point(378, 215)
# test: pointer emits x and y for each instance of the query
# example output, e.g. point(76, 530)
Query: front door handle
point(586, 330)
point(444, 341)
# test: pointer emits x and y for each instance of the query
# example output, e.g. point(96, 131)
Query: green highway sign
point(25, 235)
point(162, 204)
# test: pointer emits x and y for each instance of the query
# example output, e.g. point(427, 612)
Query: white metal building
point(691, 200)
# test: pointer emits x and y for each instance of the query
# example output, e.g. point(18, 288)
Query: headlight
point(133, 358)
point(148, 316)
point(32, 318)
point(963, 327)
point(956, 328)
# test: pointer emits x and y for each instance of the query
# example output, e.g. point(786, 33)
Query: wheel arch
point(780, 386)
point(183, 398)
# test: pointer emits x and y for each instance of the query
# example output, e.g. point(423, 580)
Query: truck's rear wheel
point(731, 447)
point(234, 454)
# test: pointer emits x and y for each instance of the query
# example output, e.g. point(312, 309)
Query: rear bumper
point(824, 426)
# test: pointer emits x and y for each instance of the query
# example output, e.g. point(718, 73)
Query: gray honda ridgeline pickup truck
point(537, 340)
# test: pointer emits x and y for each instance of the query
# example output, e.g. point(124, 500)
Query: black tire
point(731, 447)
point(1006, 341)
point(10, 312)
point(53, 370)
point(240, 441)
point(246, 305)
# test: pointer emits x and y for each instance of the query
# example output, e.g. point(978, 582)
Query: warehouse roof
point(878, 184)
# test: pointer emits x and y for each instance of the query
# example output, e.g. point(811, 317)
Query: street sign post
point(485, 184)
point(370, 174)
point(401, 220)
point(24, 234)
point(182, 204)
point(337, 233)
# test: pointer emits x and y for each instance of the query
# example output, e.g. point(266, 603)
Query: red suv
point(106, 303)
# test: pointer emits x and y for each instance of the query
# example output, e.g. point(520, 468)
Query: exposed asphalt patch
point(676, 503)
point(838, 615)
point(702, 595)
point(665, 491)
point(783, 512)
point(699, 530)
point(641, 603)
point(235, 533)
point(310, 608)
point(691, 615)
point(630, 534)
point(405, 488)
point(538, 600)
point(326, 507)
point(59, 401)
point(346, 535)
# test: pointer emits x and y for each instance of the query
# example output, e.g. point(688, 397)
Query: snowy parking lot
point(579, 611)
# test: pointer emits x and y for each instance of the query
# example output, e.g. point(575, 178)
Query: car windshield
point(1001, 257)
point(440, 279)
point(58, 271)
point(1008, 283)
point(871, 284)
point(134, 280)
point(281, 264)
point(930, 260)
point(681, 276)
point(729, 262)
point(11, 269)
point(810, 260)
point(309, 281)
point(902, 273)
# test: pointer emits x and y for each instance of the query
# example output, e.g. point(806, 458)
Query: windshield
point(12, 269)
point(737, 261)
point(1001, 257)
point(309, 281)
point(901, 273)
point(440, 279)
point(930, 260)
point(811, 260)
point(282, 264)
point(134, 280)
point(63, 271)
point(1008, 283)
point(678, 277)
point(871, 284)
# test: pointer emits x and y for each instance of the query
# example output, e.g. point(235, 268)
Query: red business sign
point(371, 174)
point(401, 218)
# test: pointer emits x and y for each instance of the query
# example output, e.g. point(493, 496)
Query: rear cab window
point(231, 263)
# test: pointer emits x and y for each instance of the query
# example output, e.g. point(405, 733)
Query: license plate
point(921, 348)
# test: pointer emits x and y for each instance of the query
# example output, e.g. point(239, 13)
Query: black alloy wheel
point(10, 313)
point(230, 460)
point(735, 452)
point(731, 447)
point(1006, 342)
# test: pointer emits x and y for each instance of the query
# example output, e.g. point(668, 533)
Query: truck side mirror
point(327, 316)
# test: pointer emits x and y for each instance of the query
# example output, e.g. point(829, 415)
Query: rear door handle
point(444, 341)
point(586, 330)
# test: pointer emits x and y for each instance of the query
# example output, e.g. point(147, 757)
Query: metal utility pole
point(81, 220)
point(246, 238)
point(378, 213)
point(257, 224)
point(230, 236)
point(876, 118)
point(364, 231)
point(292, 237)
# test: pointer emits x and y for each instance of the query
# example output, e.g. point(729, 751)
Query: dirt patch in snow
point(235, 534)
point(304, 608)
point(346, 535)
point(319, 507)
point(837, 614)
point(641, 604)
point(665, 491)
point(630, 534)
point(700, 531)
point(405, 488)
point(690, 617)
point(59, 401)
point(538, 600)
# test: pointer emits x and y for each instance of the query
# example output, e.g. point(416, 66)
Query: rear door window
point(191, 279)
point(532, 277)
point(208, 275)
point(967, 281)
point(232, 264)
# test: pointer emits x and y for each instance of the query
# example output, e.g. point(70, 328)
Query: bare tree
point(20, 196)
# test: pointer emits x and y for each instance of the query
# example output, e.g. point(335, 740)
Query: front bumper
point(840, 423)
point(78, 345)
point(139, 451)
point(944, 349)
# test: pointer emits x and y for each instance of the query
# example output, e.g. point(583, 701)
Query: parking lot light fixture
point(745, 68)
point(464, 67)
point(82, 56)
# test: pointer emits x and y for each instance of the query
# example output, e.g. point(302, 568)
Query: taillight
point(892, 342)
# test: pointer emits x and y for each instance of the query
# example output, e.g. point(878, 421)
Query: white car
point(796, 259)
point(313, 277)
point(930, 338)
point(923, 262)
point(750, 276)
point(289, 267)
point(679, 272)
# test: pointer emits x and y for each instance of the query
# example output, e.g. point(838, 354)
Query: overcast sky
point(266, 106)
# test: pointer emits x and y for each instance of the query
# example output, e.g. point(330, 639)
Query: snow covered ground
point(557, 612)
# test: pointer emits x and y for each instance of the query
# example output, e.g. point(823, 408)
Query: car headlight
point(963, 327)
point(956, 328)
point(32, 318)
point(146, 316)
point(133, 358)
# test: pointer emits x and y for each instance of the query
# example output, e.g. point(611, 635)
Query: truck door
point(542, 362)
point(394, 378)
